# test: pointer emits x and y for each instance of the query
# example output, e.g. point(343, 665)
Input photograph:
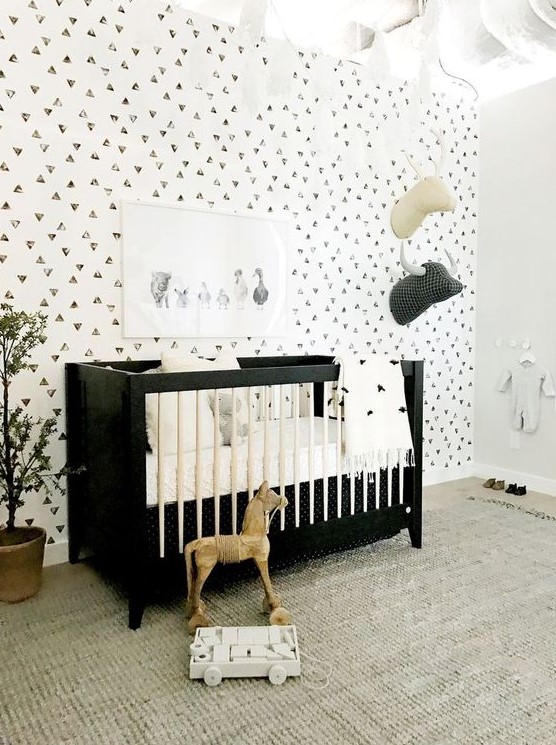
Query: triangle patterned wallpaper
point(103, 100)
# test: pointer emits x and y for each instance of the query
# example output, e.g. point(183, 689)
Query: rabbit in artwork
point(182, 300)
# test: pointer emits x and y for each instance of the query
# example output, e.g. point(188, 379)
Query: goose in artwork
point(204, 296)
point(240, 288)
point(260, 293)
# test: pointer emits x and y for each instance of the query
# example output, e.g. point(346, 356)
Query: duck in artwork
point(222, 301)
point(260, 293)
point(240, 288)
point(204, 296)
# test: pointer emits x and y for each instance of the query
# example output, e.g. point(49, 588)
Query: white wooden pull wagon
point(244, 652)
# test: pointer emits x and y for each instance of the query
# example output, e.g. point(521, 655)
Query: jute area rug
point(450, 644)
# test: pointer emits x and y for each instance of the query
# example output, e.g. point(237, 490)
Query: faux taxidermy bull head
point(426, 285)
point(429, 195)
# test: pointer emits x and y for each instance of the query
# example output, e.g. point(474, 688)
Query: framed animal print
point(191, 272)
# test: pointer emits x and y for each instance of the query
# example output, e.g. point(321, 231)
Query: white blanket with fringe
point(376, 431)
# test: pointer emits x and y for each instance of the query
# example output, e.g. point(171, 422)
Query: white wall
point(516, 288)
point(140, 100)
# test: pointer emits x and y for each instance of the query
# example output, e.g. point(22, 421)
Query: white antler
point(412, 164)
point(415, 269)
point(440, 162)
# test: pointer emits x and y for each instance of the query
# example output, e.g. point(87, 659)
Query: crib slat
point(377, 489)
point(296, 452)
point(325, 410)
point(365, 490)
point(250, 444)
point(198, 463)
point(282, 449)
point(233, 462)
point(401, 463)
point(389, 485)
point(180, 467)
point(266, 393)
point(310, 401)
point(216, 462)
point(160, 476)
point(352, 494)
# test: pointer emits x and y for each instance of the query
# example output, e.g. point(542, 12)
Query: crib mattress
point(295, 462)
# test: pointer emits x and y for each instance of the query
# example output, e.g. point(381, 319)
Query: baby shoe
point(489, 483)
point(520, 491)
point(499, 485)
point(511, 489)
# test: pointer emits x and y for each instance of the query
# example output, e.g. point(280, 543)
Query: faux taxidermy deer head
point(426, 285)
point(429, 195)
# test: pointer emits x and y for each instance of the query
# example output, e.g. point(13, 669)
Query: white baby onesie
point(528, 381)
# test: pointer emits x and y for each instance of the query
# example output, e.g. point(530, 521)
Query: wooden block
point(252, 635)
point(221, 653)
point(288, 639)
point(229, 635)
point(274, 634)
point(209, 631)
point(239, 651)
point(257, 650)
point(284, 650)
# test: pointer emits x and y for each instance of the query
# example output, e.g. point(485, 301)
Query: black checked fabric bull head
point(426, 285)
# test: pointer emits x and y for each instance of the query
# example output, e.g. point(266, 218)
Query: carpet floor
point(451, 644)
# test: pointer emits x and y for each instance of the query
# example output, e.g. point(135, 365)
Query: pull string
point(323, 679)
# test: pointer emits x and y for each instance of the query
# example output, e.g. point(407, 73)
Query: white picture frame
point(190, 272)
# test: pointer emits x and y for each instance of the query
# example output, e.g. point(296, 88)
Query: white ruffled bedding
point(225, 453)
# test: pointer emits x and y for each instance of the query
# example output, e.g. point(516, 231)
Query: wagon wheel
point(212, 676)
point(277, 675)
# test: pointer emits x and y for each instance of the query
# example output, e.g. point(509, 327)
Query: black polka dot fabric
point(190, 510)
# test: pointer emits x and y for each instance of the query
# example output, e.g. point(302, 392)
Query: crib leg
point(136, 607)
point(74, 549)
point(416, 535)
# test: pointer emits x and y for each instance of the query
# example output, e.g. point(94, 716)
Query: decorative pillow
point(169, 413)
point(172, 362)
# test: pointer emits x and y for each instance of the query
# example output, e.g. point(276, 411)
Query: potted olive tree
point(24, 463)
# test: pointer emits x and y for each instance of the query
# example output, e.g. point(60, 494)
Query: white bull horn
point(453, 266)
point(415, 269)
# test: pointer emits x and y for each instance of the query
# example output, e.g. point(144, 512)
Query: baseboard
point(533, 483)
point(440, 475)
point(55, 553)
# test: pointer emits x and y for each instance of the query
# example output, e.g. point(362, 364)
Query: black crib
point(108, 513)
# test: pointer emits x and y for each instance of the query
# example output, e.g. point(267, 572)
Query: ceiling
point(497, 45)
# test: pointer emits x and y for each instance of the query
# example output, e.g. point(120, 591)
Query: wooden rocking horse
point(202, 555)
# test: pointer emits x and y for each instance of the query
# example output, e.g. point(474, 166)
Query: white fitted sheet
point(225, 454)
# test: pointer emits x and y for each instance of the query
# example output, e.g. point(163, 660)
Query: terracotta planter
point(21, 558)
